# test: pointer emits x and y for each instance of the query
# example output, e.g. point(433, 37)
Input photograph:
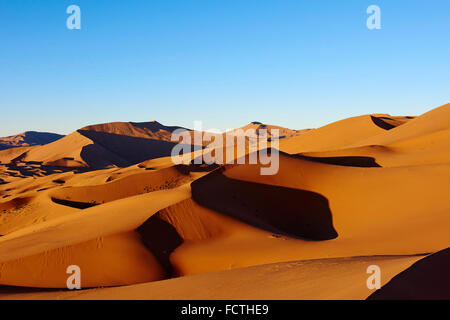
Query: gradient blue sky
point(226, 62)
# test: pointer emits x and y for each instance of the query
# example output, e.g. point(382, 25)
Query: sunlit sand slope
point(342, 133)
point(106, 261)
point(343, 278)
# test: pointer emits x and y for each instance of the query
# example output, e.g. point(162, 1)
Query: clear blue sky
point(226, 62)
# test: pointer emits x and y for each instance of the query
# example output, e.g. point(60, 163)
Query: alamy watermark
point(74, 20)
point(237, 146)
point(374, 280)
point(374, 20)
point(74, 280)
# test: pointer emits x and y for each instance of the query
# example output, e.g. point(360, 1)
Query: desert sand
point(29, 138)
point(368, 190)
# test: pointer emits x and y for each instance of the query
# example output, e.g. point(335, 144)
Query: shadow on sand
point(346, 161)
point(161, 238)
point(292, 212)
point(129, 150)
point(427, 279)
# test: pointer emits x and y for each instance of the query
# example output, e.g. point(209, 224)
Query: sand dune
point(111, 216)
point(419, 141)
point(427, 279)
point(113, 260)
point(371, 187)
point(101, 146)
point(433, 121)
point(109, 145)
point(324, 279)
point(29, 138)
point(282, 133)
point(363, 199)
point(6, 156)
point(48, 246)
point(148, 130)
point(123, 187)
point(269, 207)
point(341, 134)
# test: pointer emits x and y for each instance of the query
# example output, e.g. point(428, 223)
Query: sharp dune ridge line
point(368, 190)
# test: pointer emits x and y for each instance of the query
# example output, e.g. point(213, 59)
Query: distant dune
point(110, 145)
point(368, 190)
point(282, 133)
point(147, 130)
point(418, 141)
point(29, 138)
point(322, 279)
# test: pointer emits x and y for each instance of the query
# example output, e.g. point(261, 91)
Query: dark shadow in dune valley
point(288, 211)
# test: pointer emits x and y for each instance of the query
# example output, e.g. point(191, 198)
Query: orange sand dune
point(100, 146)
point(147, 130)
point(69, 152)
point(22, 212)
point(29, 138)
point(432, 148)
point(421, 141)
point(6, 156)
point(109, 145)
point(367, 186)
point(34, 200)
point(73, 229)
point(125, 185)
point(363, 200)
point(433, 121)
point(341, 134)
point(49, 246)
point(211, 241)
point(343, 278)
point(283, 133)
